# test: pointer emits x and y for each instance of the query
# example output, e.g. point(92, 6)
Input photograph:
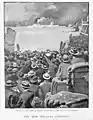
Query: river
point(40, 37)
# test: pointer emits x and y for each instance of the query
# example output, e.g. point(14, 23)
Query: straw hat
point(20, 56)
point(25, 76)
point(25, 84)
point(74, 51)
point(48, 54)
point(14, 64)
point(14, 70)
point(86, 52)
point(45, 67)
point(10, 83)
point(31, 59)
point(46, 76)
point(40, 65)
point(31, 73)
point(33, 65)
point(9, 70)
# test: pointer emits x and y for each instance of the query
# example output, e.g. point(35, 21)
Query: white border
point(83, 113)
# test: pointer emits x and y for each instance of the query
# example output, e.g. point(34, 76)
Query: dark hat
point(34, 79)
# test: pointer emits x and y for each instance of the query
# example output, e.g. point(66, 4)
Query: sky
point(62, 13)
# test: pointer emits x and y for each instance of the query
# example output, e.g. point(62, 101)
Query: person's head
point(36, 102)
point(86, 58)
point(46, 77)
point(21, 57)
point(14, 70)
point(74, 51)
point(10, 83)
point(31, 74)
point(34, 65)
point(34, 80)
point(48, 55)
point(45, 67)
point(14, 64)
point(66, 58)
point(25, 76)
point(25, 84)
point(13, 99)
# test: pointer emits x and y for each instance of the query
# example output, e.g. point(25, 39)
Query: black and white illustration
point(46, 54)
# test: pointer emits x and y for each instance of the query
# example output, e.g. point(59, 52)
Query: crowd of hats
point(14, 62)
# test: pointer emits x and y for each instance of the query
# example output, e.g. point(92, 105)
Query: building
point(85, 26)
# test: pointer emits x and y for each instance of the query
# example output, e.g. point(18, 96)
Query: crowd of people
point(30, 75)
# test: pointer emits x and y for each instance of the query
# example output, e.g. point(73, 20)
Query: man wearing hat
point(35, 88)
point(52, 67)
point(7, 63)
point(34, 66)
point(23, 85)
point(25, 77)
point(13, 74)
point(77, 56)
point(8, 93)
point(23, 99)
point(25, 69)
point(46, 85)
point(86, 56)
point(10, 89)
point(40, 72)
point(36, 102)
point(31, 74)
point(62, 70)
point(9, 83)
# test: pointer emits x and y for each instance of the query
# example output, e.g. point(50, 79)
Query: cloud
point(19, 11)
point(62, 13)
point(67, 12)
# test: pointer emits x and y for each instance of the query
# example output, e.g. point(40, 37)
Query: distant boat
point(52, 23)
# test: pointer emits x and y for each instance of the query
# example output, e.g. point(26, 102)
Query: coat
point(52, 68)
point(46, 87)
point(25, 69)
point(62, 71)
point(77, 60)
point(40, 73)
